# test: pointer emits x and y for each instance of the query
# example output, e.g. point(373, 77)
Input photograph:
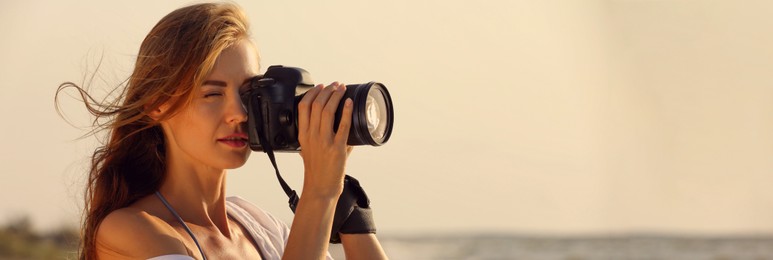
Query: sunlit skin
point(205, 139)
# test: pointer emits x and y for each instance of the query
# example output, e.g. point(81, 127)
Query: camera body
point(272, 98)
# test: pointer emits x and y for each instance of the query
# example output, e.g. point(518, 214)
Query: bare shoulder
point(134, 233)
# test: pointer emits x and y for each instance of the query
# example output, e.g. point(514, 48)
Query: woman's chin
point(237, 161)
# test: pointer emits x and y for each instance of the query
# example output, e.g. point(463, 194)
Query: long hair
point(173, 61)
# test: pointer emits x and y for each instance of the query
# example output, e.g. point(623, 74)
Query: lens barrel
point(372, 114)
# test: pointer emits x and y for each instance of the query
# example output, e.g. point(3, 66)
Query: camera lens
point(372, 115)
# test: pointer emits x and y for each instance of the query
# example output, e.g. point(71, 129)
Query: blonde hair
point(173, 61)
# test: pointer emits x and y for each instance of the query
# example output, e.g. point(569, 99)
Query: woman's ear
point(159, 111)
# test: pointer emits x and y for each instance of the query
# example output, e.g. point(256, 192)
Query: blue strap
point(181, 222)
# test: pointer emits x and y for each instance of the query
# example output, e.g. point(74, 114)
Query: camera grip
point(353, 213)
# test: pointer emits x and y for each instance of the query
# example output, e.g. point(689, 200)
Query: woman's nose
point(237, 112)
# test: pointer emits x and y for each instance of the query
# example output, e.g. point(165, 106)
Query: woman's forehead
point(236, 63)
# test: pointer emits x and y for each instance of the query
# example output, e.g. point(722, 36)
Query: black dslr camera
point(272, 101)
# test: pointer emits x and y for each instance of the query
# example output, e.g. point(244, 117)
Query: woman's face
point(209, 132)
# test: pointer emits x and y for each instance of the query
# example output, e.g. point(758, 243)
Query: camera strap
point(270, 151)
point(289, 191)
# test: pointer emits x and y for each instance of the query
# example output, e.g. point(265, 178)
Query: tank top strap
point(179, 219)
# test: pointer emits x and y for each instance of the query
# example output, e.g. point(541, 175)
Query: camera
point(271, 101)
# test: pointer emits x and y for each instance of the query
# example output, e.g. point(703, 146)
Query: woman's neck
point(197, 193)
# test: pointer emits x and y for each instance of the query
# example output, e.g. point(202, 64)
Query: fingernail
point(348, 102)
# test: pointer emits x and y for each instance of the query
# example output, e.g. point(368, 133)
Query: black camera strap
point(289, 191)
point(270, 151)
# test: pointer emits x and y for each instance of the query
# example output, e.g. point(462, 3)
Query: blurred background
point(594, 129)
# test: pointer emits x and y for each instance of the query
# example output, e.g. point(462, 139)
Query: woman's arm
point(362, 246)
point(310, 230)
point(324, 155)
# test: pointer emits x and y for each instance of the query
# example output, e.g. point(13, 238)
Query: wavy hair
point(173, 61)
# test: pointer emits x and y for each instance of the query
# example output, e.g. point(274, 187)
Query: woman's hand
point(324, 152)
point(324, 155)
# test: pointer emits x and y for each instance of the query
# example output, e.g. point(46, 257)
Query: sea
point(632, 247)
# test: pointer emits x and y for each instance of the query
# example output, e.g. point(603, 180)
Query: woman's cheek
point(207, 110)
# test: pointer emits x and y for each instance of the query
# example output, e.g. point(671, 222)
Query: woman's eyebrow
point(221, 83)
point(215, 83)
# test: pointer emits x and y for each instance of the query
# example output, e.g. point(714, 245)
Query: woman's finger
point(346, 122)
point(329, 112)
point(304, 108)
point(317, 106)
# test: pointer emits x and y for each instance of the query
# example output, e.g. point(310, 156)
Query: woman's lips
point(236, 143)
point(236, 140)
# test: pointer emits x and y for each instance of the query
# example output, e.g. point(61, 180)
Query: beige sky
point(511, 116)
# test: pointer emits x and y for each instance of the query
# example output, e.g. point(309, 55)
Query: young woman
point(156, 189)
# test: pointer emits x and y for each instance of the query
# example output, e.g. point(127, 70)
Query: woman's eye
point(212, 95)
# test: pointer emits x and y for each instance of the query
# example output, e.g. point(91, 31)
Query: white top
point(269, 233)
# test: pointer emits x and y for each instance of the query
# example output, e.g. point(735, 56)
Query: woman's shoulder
point(133, 232)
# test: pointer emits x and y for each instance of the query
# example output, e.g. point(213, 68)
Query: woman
point(156, 189)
